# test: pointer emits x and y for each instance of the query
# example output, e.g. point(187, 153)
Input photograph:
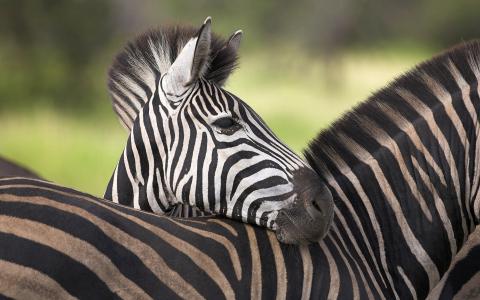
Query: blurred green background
point(302, 64)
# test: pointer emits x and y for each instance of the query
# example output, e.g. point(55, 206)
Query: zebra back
point(11, 169)
point(60, 243)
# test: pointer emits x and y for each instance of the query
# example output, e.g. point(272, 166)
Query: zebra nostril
point(316, 206)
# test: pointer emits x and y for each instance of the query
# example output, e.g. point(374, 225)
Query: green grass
point(80, 153)
point(297, 97)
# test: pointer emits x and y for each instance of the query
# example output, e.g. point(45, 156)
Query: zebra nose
point(309, 217)
point(317, 206)
point(320, 204)
point(304, 222)
point(313, 193)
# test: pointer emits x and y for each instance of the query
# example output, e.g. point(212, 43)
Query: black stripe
point(89, 232)
point(464, 270)
point(76, 279)
point(175, 259)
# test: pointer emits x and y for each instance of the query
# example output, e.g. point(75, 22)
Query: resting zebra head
point(191, 142)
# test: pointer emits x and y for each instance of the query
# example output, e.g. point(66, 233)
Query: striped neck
point(402, 168)
point(404, 236)
point(139, 179)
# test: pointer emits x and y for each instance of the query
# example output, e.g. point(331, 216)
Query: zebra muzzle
point(309, 217)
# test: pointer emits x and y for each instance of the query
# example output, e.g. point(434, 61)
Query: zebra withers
point(191, 142)
point(408, 160)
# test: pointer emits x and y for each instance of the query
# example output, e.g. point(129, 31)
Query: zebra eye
point(226, 123)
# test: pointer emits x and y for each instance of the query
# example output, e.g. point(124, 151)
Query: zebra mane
point(133, 74)
point(445, 75)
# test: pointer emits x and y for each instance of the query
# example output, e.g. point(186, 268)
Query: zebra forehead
point(215, 100)
point(136, 69)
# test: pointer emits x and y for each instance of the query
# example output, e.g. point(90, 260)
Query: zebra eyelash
point(227, 124)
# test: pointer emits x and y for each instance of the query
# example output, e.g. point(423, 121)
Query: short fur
point(143, 60)
point(406, 163)
point(464, 56)
point(11, 169)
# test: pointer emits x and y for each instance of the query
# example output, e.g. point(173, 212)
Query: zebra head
point(191, 142)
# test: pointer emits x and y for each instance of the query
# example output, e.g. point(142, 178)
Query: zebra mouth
point(293, 229)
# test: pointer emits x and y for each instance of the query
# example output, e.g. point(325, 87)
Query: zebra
point(11, 169)
point(420, 125)
point(402, 169)
point(58, 243)
point(413, 148)
point(462, 280)
point(192, 143)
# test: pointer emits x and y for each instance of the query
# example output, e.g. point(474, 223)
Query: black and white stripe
point(58, 243)
point(407, 160)
point(403, 170)
point(462, 280)
point(194, 144)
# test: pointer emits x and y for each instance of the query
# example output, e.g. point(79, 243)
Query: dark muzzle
point(309, 217)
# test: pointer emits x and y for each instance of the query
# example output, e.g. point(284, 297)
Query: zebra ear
point(191, 63)
point(228, 52)
point(234, 41)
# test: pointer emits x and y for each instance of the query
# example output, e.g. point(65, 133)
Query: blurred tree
point(47, 47)
point(52, 52)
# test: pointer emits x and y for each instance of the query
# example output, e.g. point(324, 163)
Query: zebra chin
point(309, 217)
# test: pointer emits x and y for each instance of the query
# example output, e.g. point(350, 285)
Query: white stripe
point(133, 182)
point(414, 245)
point(439, 205)
point(126, 81)
point(114, 186)
point(353, 279)
point(136, 156)
point(408, 283)
point(333, 272)
point(427, 113)
point(348, 173)
point(391, 144)
point(151, 197)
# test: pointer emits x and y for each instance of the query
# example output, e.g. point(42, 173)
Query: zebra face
point(225, 160)
point(228, 162)
point(195, 143)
